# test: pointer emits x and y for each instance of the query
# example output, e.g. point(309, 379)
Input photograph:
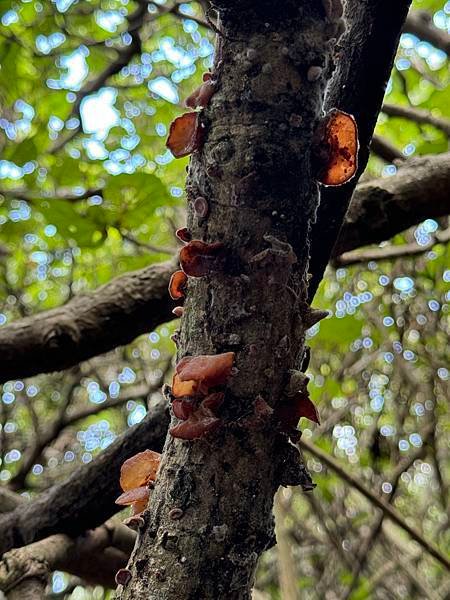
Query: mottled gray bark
point(255, 170)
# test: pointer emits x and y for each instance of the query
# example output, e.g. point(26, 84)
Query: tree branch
point(390, 252)
point(86, 498)
point(387, 509)
point(87, 325)
point(417, 115)
point(357, 87)
point(94, 323)
point(385, 149)
point(95, 557)
point(420, 23)
point(386, 206)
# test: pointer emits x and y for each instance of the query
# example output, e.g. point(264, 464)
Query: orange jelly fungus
point(340, 146)
point(135, 475)
point(184, 135)
point(208, 370)
point(198, 258)
point(177, 285)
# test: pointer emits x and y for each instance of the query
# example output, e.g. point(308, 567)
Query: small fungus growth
point(185, 134)
point(201, 208)
point(177, 285)
point(183, 234)
point(198, 258)
point(202, 95)
point(337, 148)
point(193, 401)
point(136, 474)
point(178, 311)
point(201, 421)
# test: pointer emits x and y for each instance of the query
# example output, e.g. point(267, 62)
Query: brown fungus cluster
point(199, 258)
point(137, 474)
point(186, 131)
point(185, 134)
point(195, 395)
point(177, 285)
point(336, 148)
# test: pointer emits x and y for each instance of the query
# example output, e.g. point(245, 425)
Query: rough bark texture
point(95, 557)
point(255, 170)
point(382, 207)
point(86, 498)
point(88, 325)
point(357, 87)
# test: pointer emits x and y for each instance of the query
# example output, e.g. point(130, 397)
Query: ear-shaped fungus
point(185, 135)
point(139, 469)
point(135, 475)
point(202, 95)
point(183, 407)
point(202, 421)
point(136, 497)
point(177, 285)
point(289, 411)
point(183, 234)
point(338, 148)
point(208, 370)
point(198, 258)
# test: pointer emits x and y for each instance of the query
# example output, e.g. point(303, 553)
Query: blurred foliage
point(89, 191)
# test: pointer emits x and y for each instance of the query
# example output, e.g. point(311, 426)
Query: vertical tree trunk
point(255, 170)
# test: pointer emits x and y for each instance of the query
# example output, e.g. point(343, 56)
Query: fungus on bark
point(202, 95)
point(183, 234)
point(289, 411)
point(185, 134)
point(177, 285)
point(136, 474)
point(336, 148)
point(200, 206)
point(178, 311)
point(202, 421)
point(199, 258)
point(202, 373)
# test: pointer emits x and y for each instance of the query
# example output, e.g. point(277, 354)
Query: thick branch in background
point(95, 557)
point(358, 86)
point(87, 325)
point(86, 499)
point(383, 207)
point(417, 115)
point(418, 191)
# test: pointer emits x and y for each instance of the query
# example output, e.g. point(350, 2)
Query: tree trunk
point(255, 170)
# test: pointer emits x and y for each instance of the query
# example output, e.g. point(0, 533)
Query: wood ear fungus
point(337, 148)
point(185, 135)
point(136, 474)
point(198, 258)
point(177, 285)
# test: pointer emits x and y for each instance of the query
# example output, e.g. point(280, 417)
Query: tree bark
point(256, 172)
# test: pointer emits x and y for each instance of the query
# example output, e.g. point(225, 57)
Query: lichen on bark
point(256, 171)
